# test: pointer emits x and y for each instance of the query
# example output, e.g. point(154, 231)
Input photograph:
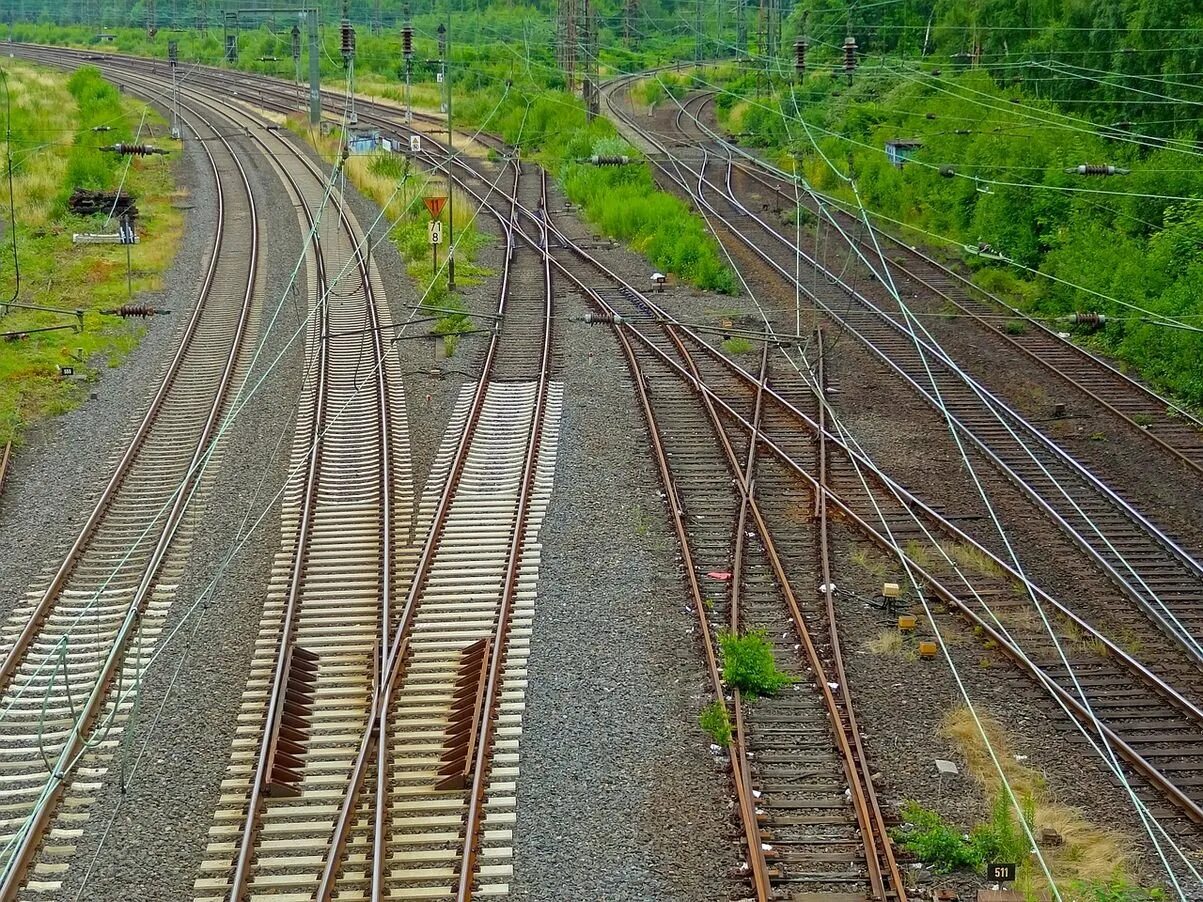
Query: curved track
point(745, 448)
point(75, 650)
point(1149, 566)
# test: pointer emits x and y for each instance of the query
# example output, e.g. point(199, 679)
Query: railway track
point(74, 650)
point(1150, 567)
point(933, 287)
point(1138, 711)
point(1155, 728)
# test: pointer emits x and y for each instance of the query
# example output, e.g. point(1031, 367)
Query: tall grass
point(54, 150)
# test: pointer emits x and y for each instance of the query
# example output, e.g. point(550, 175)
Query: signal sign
point(434, 230)
point(1001, 873)
point(435, 205)
point(415, 144)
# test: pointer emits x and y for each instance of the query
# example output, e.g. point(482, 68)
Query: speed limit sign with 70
point(434, 231)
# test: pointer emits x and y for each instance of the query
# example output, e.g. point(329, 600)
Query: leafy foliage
point(715, 721)
point(748, 663)
point(943, 848)
point(1009, 189)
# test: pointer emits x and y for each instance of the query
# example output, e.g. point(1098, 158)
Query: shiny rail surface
point(74, 650)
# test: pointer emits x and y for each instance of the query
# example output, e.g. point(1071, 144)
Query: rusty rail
point(5, 458)
point(872, 813)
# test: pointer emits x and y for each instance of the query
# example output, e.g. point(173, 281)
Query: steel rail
point(17, 865)
point(269, 746)
point(14, 657)
point(1071, 704)
point(373, 744)
point(874, 813)
point(269, 749)
point(818, 667)
point(1159, 685)
point(474, 817)
point(745, 801)
point(736, 747)
point(1119, 504)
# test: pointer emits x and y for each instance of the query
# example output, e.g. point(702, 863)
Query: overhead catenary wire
point(1141, 812)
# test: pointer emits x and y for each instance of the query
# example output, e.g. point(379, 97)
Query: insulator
point(129, 311)
point(348, 40)
point(407, 41)
point(931, 116)
point(935, 73)
point(296, 42)
point(1096, 169)
point(849, 54)
point(947, 171)
point(800, 46)
point(609, 160)
point(1088, 318)
point(961, 131)
point(133, 150)
point(604, 317)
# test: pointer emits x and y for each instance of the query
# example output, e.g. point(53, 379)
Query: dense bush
point(99, 104)
point(748, 663)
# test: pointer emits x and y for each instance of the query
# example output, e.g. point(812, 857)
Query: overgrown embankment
point(622, 201)
point(990, 174)
point(55, 149)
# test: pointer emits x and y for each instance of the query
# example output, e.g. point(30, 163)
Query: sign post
point(434, 231)
point(1001, 873)
point(434, 228)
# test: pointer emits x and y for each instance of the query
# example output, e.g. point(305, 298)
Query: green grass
point(748, 663)
point(738, 345)
point(54, 150)
point(945, 848)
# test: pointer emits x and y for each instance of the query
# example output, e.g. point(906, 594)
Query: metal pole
point(315, 84)
point(451, 153)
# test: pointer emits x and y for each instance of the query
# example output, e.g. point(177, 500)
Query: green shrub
point(715, 721)
point(937, 844)
point(1001, 838)
point(748, 663)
